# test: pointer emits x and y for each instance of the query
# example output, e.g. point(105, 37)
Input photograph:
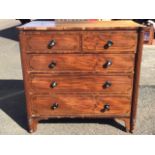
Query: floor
point(12, 100)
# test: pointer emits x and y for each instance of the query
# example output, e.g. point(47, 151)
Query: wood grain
point(80, 55)
point(72, 105)
point(137, 78)
point(81, 63)
point(120, 84)
point(57, 26)
point(64, 41)
point(123, 41)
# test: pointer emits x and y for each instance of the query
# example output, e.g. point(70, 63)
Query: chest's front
point(91, 73)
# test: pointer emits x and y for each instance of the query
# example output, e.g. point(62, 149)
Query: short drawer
point(70, 83)
point(110, 41)
point(102, 63)
point(78, 105)
point(47, 42)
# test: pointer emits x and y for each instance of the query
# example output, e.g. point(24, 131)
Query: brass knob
point(52, 65)
point(106, 107)
point(108, 44)
point(51, 44)
point(107, 64)
point(54, 106)
point(107, 84)
point(53, 84)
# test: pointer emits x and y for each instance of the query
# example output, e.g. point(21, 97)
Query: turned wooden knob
point(107, 64)
point(106, 107)
point(53, 84)
point(52, 65)
point(51, 44)
point(54, 106)
point(108, 44)
point(107, 84)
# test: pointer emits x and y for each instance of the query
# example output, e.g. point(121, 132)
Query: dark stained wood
point(123, 41)
point(80, 71)
point(120, 84)
point(121, 63)
point(71, 105)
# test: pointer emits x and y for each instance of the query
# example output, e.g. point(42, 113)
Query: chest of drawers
point(85, 69)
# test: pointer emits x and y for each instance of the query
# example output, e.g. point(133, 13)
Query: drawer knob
point(54, 84)
point(108, 44)
point(54, 106)
point(52, 65)
point(107, 64)
point(106, 107)
point(107, 84)
point(51, 44)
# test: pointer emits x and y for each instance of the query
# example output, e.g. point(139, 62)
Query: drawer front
point(103, 63)
point(70, 83)
point(65, 105)
point(110, 41)
point(52, 42)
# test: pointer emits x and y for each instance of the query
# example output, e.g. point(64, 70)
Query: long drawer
point(103, 63)
point(74, 105)
point(71, 83)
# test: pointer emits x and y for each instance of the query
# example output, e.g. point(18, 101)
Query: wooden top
point(80, 25)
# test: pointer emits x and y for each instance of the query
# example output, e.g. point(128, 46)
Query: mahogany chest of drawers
point(85, 69)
